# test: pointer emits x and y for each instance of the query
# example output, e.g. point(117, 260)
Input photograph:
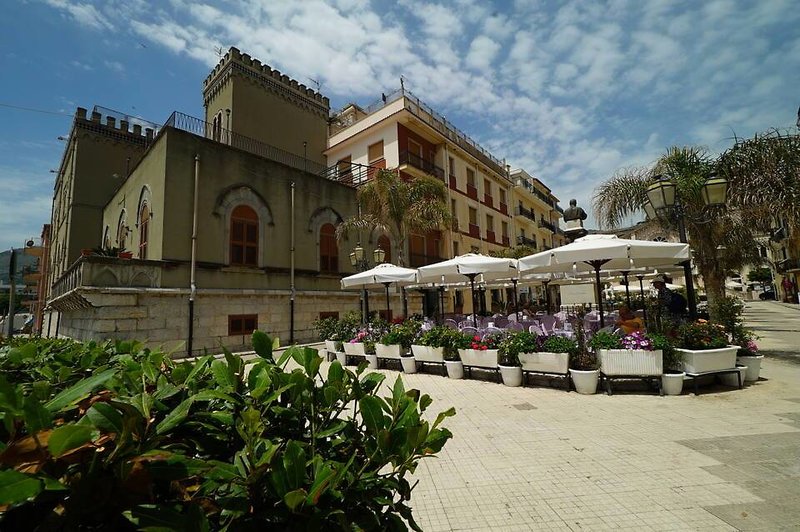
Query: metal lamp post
point(664, 201)
point(360, 262)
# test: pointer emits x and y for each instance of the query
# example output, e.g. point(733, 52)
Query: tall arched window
point(216, 127)
point(328, 251)
point(122, 231)
point(144, 222)
point(386, 246)
point(244, 236)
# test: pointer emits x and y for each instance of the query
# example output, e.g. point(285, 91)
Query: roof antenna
point(402, 84)
point(315, 82)
point(218, 49)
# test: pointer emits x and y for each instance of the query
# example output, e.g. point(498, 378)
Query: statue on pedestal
point(573, 218)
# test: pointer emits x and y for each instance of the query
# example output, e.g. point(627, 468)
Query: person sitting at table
point(628, 321)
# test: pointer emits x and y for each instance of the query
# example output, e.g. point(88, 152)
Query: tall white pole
point(193, 285)
point(291, 269)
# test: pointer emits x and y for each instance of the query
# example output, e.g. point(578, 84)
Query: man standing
point(672, 303)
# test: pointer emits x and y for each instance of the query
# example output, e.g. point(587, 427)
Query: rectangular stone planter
point(700, 361)
point(330, 346)
point(425, 353)
point(479, 359)
point(634, 362)
point(545, 362)
point(387, 351)
point(354, 349)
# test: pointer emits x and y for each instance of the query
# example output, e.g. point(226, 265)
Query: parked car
point(769, 294)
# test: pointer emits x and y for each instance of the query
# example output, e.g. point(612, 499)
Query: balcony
point(474, 231)
point(527, 213)
point(503, 208)
point(420, 163)
point(95, 270)
point(788, 265)
point(422, 259)
point(547, 225)
point(352, 174)
point(525, 241)
point(488, 200)
point(490, 236)
point(472, 192)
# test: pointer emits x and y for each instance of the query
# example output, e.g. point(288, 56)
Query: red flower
point(476, 338)
point(484, 348)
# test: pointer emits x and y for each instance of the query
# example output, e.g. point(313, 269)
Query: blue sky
point(570, 91)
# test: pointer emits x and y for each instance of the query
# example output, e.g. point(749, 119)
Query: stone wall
point(160, 316)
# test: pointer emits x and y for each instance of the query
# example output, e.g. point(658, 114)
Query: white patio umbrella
point(470, 266)
point(607, 252)
point(381, 275)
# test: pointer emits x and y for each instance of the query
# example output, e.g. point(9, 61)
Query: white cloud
point(83, 13)
point(482, 52)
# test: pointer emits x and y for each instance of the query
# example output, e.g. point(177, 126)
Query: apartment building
point(402, 132)
point(536, 213)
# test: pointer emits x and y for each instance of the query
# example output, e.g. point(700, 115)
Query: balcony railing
point(527, 213)
point(453, 182)
point(421, 163)
point(204, 129)
point(788, 265)
point(474, 231)
point(352, 174)
point(488, 200)
point(525, 241)
point(506, 241)
point(547, 225)
point(422, 259)
point(69, 280)
point(503, 208)
point(490, 236)
point(472, 192)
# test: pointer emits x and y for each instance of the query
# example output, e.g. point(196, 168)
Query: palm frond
point(621, 196)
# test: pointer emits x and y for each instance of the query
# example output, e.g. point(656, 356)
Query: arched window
point(386, 246)
point(216, 127)
point(244, 236)
point(144, 222)
point(122, 231)
point(328, 251)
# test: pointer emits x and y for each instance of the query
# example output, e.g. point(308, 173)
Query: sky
point(569, 91)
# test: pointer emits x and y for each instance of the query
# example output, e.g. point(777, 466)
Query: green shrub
point(116, 437)
point(702, 335)
point(605, 340)
point(402, 334)
point(559, 344)
point(517, 342)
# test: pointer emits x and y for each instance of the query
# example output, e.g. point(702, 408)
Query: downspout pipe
point(193, 284)
point(291, 270)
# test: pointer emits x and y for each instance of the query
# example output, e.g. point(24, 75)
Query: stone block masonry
point(160, 317)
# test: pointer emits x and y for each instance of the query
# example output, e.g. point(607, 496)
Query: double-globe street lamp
point(361, 263)
point(664, 202)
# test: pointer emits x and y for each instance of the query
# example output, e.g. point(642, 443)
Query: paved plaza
point(538, 458)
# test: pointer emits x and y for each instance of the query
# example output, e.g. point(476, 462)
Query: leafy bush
point(605, 340)
point(559, 344)
point(702, 335)
point(116, 437)
point(670, 357)
point(326, 328)
point(433, 336)
point(402, 334)
point(517, 342)
point(452, 340)
point(488, 341)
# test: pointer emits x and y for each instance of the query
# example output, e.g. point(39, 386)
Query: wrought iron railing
point(353, 174)
point(207, 130)
point(787, 265)
point(525, 241)
point(547, 225)
point(423, 164)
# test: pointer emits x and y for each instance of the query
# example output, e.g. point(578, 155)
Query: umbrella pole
point(388, 311)
point(599, 290)
point(405, 301)
point(366, 305)
point(546, 294)
point(516, 305)
point(472, 289)
point(641, 296)
point(441, 305)
point(627, 288)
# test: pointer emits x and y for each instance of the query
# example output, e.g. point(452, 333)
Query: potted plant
point(704, 347)
point(673, 377)
point(452, 341)
point(428, 346)
point(632, 354)
point(481, 352)
point(355, 346)
point(509, 349)
point(535, 358)
point(747, 356)
point(326, 331)
point(583, 367)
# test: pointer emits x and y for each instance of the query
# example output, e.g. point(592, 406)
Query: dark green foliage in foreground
point(117, 437)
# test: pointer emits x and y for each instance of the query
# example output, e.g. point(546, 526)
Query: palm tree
point(399, 207)
point(721, 239)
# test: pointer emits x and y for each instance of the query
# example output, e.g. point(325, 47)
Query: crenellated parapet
point(125, 129)
point(236, 63)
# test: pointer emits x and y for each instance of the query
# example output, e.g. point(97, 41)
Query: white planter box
point(753, 364)
point(330, 346)
point(708, 359)
point(387, 351)
point(341, 357)
point(354, 349)
point(545, 362)
point(479, 359)
point(634, 362)
point(424, 353)
point(372, 360)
